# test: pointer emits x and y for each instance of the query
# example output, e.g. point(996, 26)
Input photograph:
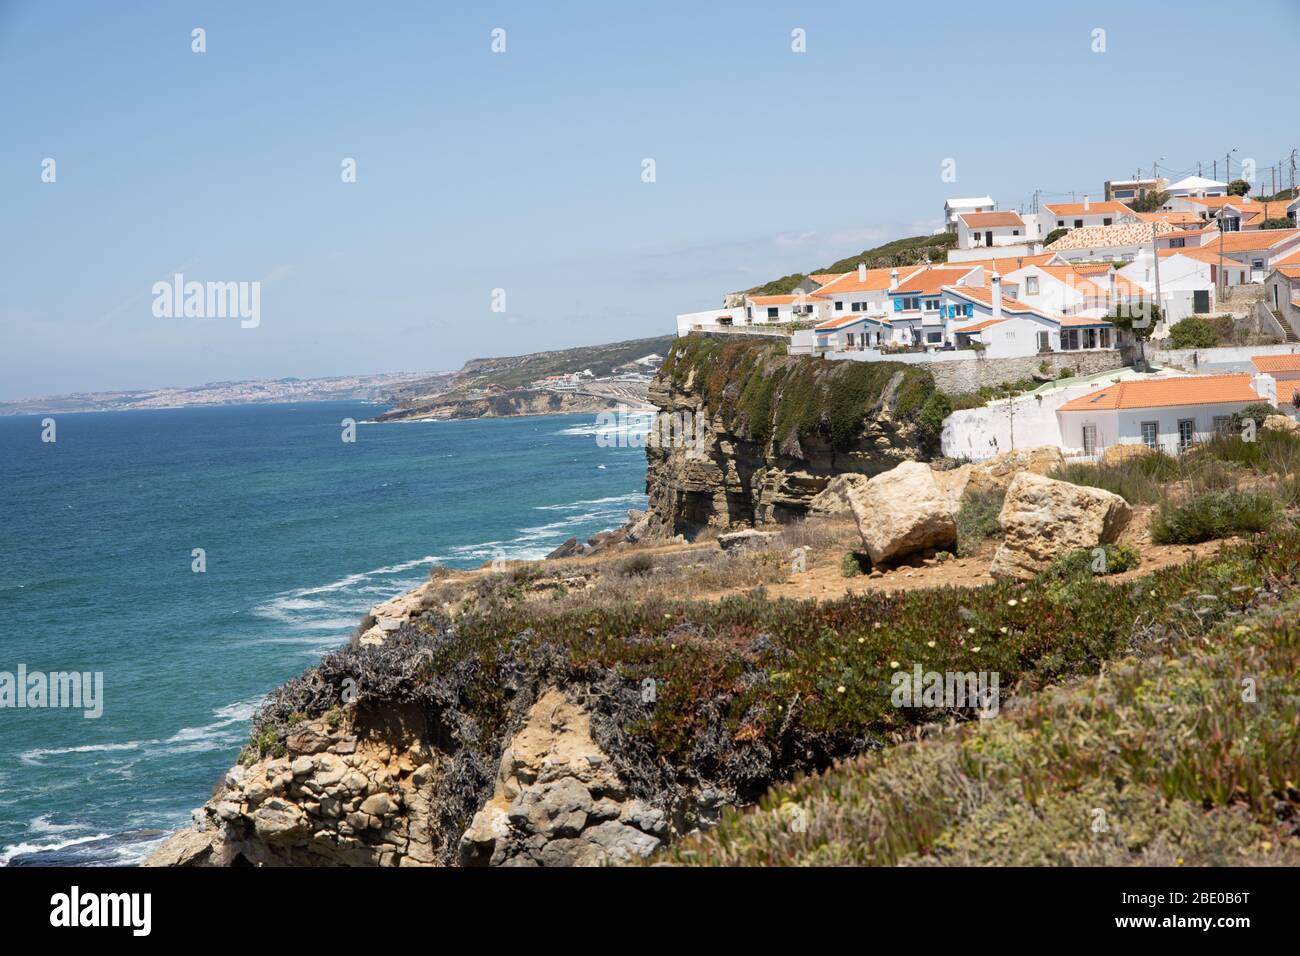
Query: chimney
point(893, 279)
point(862, 272)
point(996, 297)
point(1086, 204)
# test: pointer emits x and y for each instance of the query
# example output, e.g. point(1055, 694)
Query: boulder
point(997, 473)
point(1043, 518)
point(734, 540)
point(570, 549)
point(1281, 423)
point(833, 499)
point(1116, 454)
point(902, 511)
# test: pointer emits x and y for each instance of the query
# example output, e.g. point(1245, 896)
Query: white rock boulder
point(902, 511)
point(1043, 518)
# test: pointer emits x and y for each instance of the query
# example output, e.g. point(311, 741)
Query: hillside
point(899, 252)
point(515, 371)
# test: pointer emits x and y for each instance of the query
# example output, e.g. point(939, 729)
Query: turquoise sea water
point(301, 532)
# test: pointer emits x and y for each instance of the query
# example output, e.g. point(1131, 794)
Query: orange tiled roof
point(1291, 272)
point(838, 323)
point(877, 281)
point(984, 295)
point(1166, 392)
point(1107, 207)
point(1175, 218)
point(1005, 264)
point(822, 278)
point(931, 280)
point(982, 220)
point(1276, 363)
point(978, 326)
point(1250, 241)
point(776, 299)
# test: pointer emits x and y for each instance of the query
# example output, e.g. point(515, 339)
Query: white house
point(1285, 371)
point(1197, 186)
point(863, 290)
point(953, 208)
point(1186, 282)
point(1002, 326)
point(1168, 414)
point(984, 230)
point(1079, 215)
point(769, 309)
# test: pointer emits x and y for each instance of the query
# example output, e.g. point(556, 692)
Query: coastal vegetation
point(767, 396)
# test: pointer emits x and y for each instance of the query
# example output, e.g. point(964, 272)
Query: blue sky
point(522, 170)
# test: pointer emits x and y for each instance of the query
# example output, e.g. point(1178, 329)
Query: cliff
point(520, 401)
point(753, 435)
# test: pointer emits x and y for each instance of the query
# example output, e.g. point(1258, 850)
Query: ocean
point(300, 533)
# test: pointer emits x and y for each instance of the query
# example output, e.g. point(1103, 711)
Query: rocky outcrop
point(995, 474)
point(558, 801)
point(765, 442)
point(902, 512)
point(329, 800)
point(507, 404)
point(337, 798)
point(1043, 518)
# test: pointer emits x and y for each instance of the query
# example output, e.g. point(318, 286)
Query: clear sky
point(522, 170)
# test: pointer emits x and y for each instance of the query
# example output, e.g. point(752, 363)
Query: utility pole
point(1155, 254)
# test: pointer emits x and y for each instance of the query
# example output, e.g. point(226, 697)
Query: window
point(1186, 433)
point(1104, 337)
point(932, 305)
point(1044, 341)
point(856, 307)
point(1257, 263)
point(1090, 439)
point(749, 312)
point(850, 338)
point(1060, 223)
point(1078, 224)
point(934, 337)
point(839, 305)
point(1150, 434)
point(1177, 243)
point(1070, 340)
point(1107, 221)
point(1015, 232)
point(772, 312)
point(1031, 285)
point(1222, 424)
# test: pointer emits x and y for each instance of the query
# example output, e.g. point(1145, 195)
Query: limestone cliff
point(753, 435)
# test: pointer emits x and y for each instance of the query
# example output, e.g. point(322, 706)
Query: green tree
point(1141, 322)
point(1149, 203)
point(1238, 187)
point(1192, 333)
point(1054, 235)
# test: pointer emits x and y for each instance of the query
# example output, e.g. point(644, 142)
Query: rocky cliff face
point(764, 433)
point(505, 404)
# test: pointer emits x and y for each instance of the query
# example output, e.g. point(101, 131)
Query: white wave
point(23, 849)
point(40, 753)
point(42, 824)
point(631, 498)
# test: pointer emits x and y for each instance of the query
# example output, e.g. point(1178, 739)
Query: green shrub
point(1114, 559)
point(1256, 412)
point(1138, 480)
point(854, 563)
point(637, 566)
point(1192, 333)
point(1214, 514)
point(977, 520)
